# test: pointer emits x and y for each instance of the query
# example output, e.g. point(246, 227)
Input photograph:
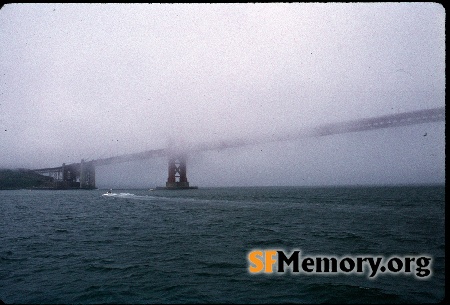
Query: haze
point(89, 81)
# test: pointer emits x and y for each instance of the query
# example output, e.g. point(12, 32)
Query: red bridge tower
point(177, 174)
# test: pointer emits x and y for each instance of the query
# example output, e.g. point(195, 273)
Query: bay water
point(192, 246)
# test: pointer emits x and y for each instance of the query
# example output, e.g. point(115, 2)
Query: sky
point(89, 81)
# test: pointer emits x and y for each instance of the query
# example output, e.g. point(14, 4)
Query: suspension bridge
point(82, 175)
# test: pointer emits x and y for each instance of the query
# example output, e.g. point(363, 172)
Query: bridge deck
point(386, 121)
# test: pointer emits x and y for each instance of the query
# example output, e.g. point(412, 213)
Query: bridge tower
point(177, 174)
point(66, 177)
point(87, 175)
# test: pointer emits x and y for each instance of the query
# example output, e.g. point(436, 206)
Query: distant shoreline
point(13, 179)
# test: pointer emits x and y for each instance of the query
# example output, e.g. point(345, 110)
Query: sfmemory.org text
point(276, 261)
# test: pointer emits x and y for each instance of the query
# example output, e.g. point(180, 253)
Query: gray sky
point(97, 80)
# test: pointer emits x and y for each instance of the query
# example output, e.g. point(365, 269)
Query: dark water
point(191, 246)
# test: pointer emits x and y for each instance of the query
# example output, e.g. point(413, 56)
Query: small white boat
point(110, 194)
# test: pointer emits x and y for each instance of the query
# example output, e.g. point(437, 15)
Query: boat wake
point(128, 196)
point(119, 195)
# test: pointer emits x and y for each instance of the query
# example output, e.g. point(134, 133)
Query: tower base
point(177, 186)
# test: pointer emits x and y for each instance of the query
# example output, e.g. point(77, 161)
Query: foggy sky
point(98, 80)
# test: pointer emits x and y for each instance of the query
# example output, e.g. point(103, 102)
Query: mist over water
point(90, 81)
point(371, 158)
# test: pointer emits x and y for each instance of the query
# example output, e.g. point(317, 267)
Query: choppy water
point(191, 246)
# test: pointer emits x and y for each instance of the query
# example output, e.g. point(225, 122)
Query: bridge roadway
point(82, 175)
